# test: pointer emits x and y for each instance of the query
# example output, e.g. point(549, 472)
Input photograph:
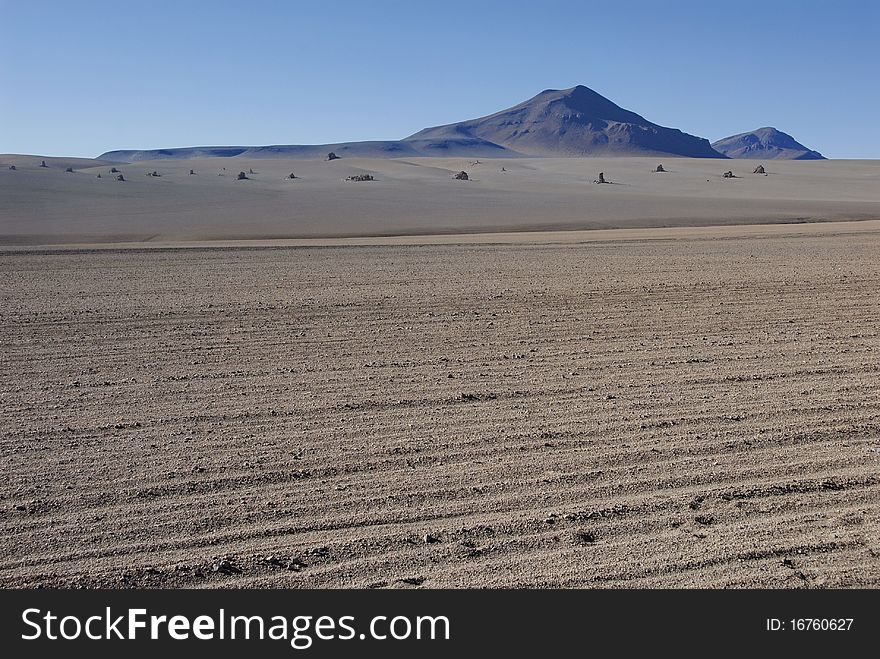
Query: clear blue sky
point(80, 78)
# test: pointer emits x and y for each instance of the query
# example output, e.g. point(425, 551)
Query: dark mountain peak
point(574, 122)
point(765, 143)
point(584, 103)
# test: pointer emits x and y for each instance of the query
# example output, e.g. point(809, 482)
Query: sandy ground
point(413, 196)
point(647, 409)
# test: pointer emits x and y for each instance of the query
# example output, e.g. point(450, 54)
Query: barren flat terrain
point(657, 409)
point(413, 196)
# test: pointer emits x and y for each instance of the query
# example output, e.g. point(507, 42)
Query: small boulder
point(728, 174)
point(120, 177)
point(759, 170)
point(601, 178)
point(292, 176)
point(69, 170)
point(583, 537)
point(113, 170)
point(43, 163)
point(99, 176)
point(12, 167)
point(242, 176)
point(192, 172)
point(225, 566)
point(461, 176)
point(332, 156)
point(659, 168)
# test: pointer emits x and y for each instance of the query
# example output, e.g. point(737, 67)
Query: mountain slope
point(574, 122)
point(458, 147)
point(765, 144)
point(568, 122)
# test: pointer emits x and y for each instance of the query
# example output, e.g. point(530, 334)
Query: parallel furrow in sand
point(679, 413)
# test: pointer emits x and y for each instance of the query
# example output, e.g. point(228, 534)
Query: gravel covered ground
point(659, 412)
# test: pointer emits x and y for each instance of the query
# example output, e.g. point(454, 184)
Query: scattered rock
point(226, 566)
point(728, 174)
point(12, 167)
point(294, 564)
point(360, 177)
point(461, 176)
point(759, 170)
point(332, 156)
point(154, 173)
point(584, 537)
point(242, 176)
point(413, 581)
point(705, 520)
point(471, 396)
point(430, 539)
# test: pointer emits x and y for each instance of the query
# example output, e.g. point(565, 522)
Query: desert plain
point(523, 379)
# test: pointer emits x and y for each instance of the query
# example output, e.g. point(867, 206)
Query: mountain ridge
point(765, 143)
point(572, 122)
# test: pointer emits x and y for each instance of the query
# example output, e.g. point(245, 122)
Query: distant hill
point(574, 122)
point(461, 147)
point(567, 122)
point(765, 144)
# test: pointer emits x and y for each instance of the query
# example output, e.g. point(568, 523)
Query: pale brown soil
point(696, 411)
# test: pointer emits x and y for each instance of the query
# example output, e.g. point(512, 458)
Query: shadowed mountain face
point(765, 144)
point(574, 122)
point(568, 122)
